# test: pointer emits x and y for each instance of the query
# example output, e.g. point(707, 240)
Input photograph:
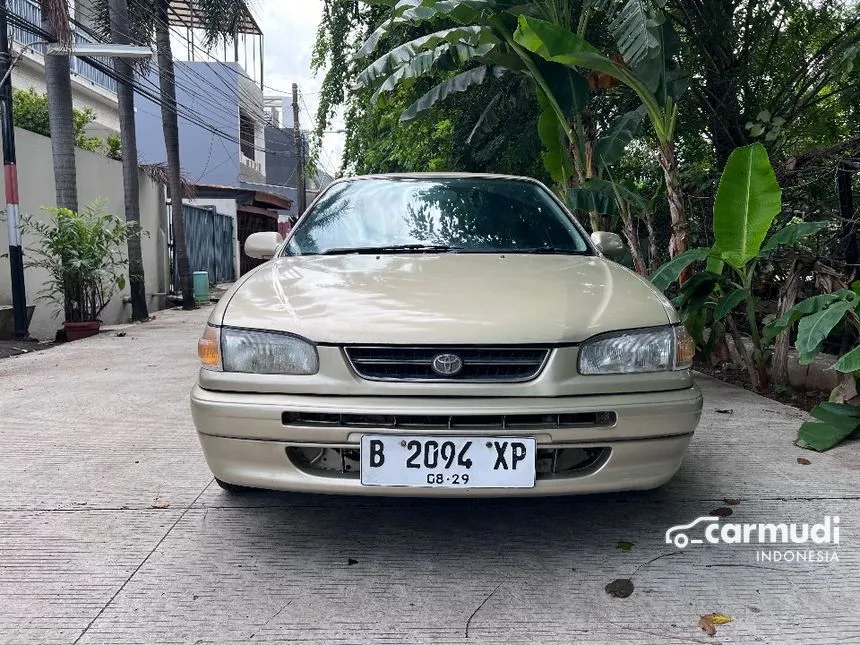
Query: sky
point(289, 28)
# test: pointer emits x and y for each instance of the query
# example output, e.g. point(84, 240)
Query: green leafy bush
point(30, 110)
point(816, 318)
point(83, 254)
point(748, 199)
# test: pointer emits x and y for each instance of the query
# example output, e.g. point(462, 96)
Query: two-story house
point(91, 88)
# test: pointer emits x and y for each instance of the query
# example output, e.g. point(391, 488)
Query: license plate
point(448, 462)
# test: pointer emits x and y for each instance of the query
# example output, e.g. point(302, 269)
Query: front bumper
point(245, 441)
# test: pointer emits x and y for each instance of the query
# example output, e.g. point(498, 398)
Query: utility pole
point(10, 168)
point(300, 151)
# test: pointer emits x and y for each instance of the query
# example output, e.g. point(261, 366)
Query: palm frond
point(425, 62)
point(459, 83)
point(636, 30)
point(160, 174)
point(55, 14)
point(388, 63)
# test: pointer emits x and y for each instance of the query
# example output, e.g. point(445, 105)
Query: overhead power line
point(140, 83)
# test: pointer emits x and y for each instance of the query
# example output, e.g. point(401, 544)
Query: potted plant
point(83, 253)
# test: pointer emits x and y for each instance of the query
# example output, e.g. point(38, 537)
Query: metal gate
point(209, 240)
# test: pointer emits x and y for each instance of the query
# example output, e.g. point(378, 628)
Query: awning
point(186, 13)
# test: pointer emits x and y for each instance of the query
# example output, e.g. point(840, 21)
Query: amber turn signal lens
point(208, 348)
point(685, 348)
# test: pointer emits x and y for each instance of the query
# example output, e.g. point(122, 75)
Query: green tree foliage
point(30, 109)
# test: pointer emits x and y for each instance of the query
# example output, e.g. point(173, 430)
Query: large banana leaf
point(459, 83)
point(835, 422)
point(555, 157)
point(849, 362)
point(600, 195)
point(611, 144)
point(748, 199)
point(806, 307)
point(669, 272)
point(635, 29)
point(388, 63)
point(560, 45)
point(424, 62)
point(791, 234)
point(464, 12)
point(813, 330)
point(569, 87)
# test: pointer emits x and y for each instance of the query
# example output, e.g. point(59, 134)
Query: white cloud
point(290, 29)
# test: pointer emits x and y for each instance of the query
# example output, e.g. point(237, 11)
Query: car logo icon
point(447, 364)
point(676, 535)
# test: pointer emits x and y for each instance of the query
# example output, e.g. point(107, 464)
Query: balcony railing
point(30, 11)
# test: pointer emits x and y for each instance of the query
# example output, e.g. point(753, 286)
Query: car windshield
point(393, 215)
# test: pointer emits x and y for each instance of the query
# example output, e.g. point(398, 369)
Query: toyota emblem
point(447, 364)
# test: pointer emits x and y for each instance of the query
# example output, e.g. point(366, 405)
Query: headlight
point(657, 349)
point(263, 352)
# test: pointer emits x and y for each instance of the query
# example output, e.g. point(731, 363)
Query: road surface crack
point(143, 562)
point(478, 608)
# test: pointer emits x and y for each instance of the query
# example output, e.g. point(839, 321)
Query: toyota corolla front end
point(443, 335)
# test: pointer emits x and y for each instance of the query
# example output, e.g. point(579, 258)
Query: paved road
point(96, 433)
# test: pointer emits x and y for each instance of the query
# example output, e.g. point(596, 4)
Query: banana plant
point(656, 81)
point(816, 317)
point(484, 42)
point(747, 202)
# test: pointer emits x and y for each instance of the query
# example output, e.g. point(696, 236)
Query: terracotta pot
point(78, 330)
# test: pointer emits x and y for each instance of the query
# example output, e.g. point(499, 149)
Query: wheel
point(233, 489)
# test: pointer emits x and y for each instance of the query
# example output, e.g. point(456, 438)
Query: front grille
point(550, 463)
point(451, 422)
point(493, 364)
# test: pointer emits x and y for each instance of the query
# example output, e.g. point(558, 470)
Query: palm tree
point(55, 21)
point(118, 10)
point(218, 20)
point(170, 125)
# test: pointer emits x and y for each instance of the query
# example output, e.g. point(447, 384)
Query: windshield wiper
point(548, 250)
point(395, 248)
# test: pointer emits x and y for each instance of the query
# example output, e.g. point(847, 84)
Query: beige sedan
point(450, 335)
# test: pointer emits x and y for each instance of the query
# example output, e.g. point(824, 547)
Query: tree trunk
point(652, 241)
point(845, 193)
point(630, 233)
point(131, 188)
point(675, 196)
point(786, 300)
point(59, 85)
point(170, 125)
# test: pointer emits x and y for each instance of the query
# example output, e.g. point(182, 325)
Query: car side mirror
point(609, 244)
point(263, 246)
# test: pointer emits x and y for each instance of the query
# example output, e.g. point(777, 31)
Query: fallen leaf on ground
point(722, 511)
point(725, 411)
point(719, 619)
point(803, 461)
point(620, 588)
point(121, 334)
point(707, 626)
point(709, 622)
point(160, 503)
point(732, 501)
point(624, 545)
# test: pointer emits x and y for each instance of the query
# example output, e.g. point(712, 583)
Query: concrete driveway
point(112, 530)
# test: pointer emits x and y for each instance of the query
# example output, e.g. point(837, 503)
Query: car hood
point(444, 299)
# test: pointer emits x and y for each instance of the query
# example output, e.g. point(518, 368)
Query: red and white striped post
point(10, 175)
